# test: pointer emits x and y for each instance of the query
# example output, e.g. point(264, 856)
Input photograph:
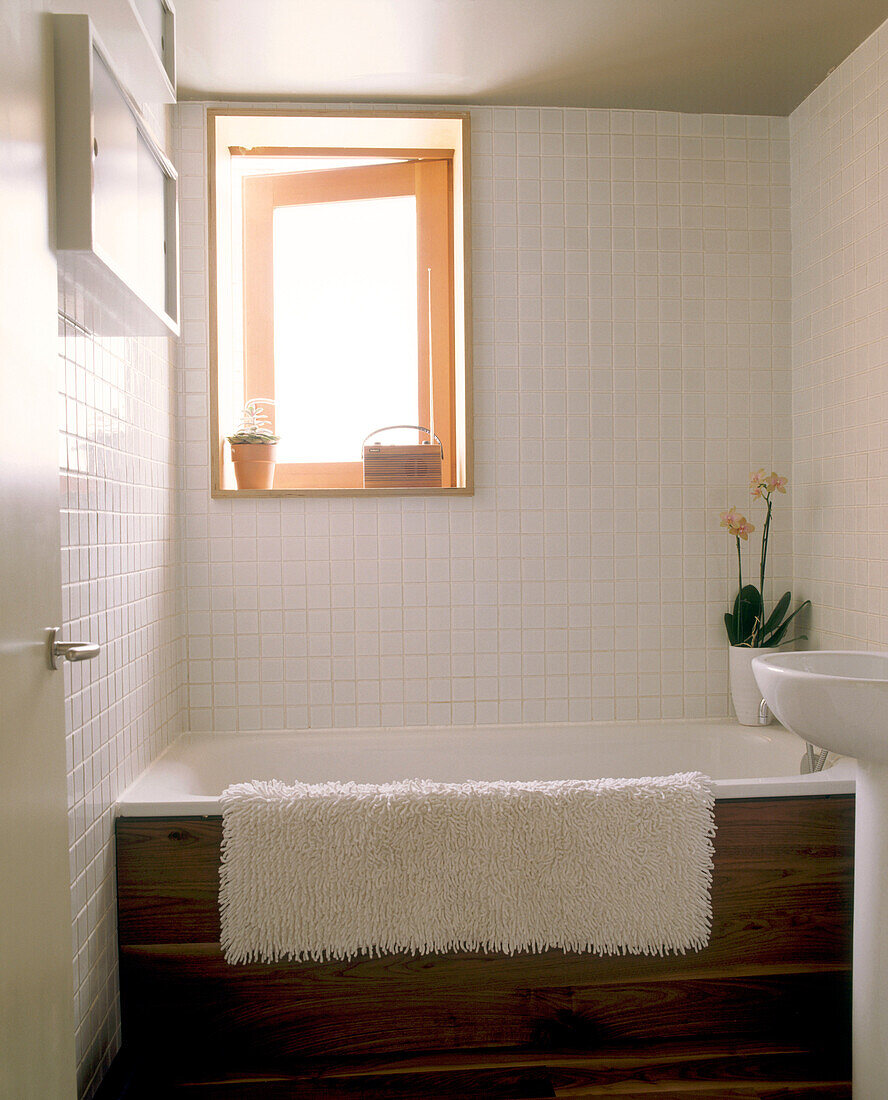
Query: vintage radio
point(403, 465)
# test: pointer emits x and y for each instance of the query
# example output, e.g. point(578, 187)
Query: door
point(36, 995)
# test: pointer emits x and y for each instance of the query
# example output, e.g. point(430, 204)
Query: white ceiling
point(725, 56)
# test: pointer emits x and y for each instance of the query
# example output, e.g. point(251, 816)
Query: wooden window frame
point(279, 132)
point(430, 180)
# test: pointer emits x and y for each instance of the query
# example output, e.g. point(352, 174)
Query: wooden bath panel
point(776, 971)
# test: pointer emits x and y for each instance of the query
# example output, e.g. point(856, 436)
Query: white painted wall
point(839, 149)
point(631, 300)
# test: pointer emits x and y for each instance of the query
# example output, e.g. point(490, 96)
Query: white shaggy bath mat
point(331, 870)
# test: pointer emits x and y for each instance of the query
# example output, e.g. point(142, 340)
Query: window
point(339, 289)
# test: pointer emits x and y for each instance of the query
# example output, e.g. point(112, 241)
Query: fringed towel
point(332, 870)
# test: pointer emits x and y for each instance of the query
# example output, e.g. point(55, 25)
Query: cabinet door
point(151, 279)
point(115, 189)
point(115, 175)
point(153, 16)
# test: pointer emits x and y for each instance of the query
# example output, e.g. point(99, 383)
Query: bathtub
point(753, 1005)
point(745, 762)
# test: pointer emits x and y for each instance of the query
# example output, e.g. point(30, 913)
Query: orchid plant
point(746, 623)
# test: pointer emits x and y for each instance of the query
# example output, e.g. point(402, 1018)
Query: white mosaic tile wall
point(120, 576)
point(632, 364)
point(840, 337)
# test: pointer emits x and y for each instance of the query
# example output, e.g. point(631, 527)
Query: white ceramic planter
point(745, 692)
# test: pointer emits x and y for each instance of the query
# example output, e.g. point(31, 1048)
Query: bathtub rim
point(838, 779)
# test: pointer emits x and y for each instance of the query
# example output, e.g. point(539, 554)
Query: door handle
point(69, 651)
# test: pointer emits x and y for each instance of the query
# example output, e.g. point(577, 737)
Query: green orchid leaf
point(748, 598)
point(776, 616)
point(748, 614)
point(729, 626)
point(777, 637)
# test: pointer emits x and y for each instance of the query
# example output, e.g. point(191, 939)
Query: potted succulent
point(253, 447)
point(750, 631)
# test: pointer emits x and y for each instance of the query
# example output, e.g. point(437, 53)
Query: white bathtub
point(745, 762)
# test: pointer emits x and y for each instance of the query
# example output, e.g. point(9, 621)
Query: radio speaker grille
point(410, 466)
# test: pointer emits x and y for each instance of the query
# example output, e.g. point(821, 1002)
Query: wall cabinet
point(141, 37)
point(116, 203)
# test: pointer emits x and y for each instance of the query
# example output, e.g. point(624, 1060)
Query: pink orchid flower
point(737, 525)
point(762, 485)
point(756, 483)
point(775, 483)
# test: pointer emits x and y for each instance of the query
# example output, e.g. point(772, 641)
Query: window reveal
point(348, 292)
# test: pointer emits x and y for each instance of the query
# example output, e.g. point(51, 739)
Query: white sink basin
point(839, 701)
point(836, 699)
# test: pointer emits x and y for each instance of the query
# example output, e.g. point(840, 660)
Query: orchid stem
point(765, 533)
point(739, 565)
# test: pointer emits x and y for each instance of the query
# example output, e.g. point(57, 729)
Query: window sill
point(424, 491)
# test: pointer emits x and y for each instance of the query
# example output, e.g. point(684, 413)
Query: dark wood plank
point(658, 1069)
point(193, 1006)
point(465, 1090)
point(665, 1059)
point(782, 867)
point(495, 1087)
point(775, 1090)
point(475, 1085)
point(168, 879)
point(777, 967)
point(706, 1070)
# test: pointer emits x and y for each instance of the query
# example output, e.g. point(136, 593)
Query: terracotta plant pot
point(254, 464)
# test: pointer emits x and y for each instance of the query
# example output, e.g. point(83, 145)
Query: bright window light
point(345, 324)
